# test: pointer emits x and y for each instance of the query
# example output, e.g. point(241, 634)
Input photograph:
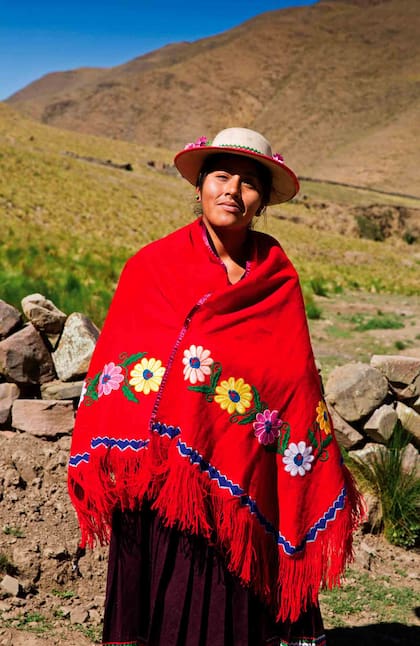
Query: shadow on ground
point(393, 634)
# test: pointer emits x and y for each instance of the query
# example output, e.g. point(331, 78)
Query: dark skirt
point(166, 588)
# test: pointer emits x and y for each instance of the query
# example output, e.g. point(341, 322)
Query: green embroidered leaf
point(246, 420)
point(132, 359)
point(216, 372)
point(326, 442)
point(129, 394)
point(202, 389)
point(257, 399)
point(313, 439)
point(285, 441)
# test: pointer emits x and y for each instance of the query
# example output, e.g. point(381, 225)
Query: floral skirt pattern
point(166, 588)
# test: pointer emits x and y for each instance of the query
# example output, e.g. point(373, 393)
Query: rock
point(61, 390)
point(24, 358)
point(23, 465)
point(43, 418)
point(355, 390)
point(406, 392)
point(410, 420)
point(346, 435)
point(373, 519)
point(381, 424)
point(397, 369)
point(74, 351)
point(27, 558)
point(410, 460)
point(43, 314)
point(79, 615)
point(10, 319)
point(10, 585)
point(368, 453)
point(8, 394)
point(416, 405)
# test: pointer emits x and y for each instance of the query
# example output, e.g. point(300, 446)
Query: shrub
point(397, 490)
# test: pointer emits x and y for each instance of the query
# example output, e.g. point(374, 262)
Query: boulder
point(8, 394)
point(10, 585)
point(62, 390)
point(346, 435)
point(43, 418)
point(10, 319)
point(368, 454)
point(24, 358)
point(410, 460)
point(43, 314)
point(380, 425)
point(397, 369)
point(355, 390)
point(410, 420)
point(74, 351)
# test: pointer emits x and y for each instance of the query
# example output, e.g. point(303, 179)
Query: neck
point(230, 245)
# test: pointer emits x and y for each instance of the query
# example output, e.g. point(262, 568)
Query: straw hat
point(244, 142)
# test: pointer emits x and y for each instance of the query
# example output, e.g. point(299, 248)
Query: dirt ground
point(39, 534)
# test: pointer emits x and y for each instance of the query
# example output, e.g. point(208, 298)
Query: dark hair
point(263, 173)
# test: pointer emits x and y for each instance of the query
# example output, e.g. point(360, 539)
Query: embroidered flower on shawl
point(147, 376)
point(197, 362)
point(323, 418)
point(267, 426)
point(298, 458)
point(110, 379)
point(234, 395)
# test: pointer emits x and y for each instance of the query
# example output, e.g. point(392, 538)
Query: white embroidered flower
point(298, 458)
point(197, 362)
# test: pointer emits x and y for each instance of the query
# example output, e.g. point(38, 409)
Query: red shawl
point(204, 397)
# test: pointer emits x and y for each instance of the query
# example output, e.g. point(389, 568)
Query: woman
point(202, 444)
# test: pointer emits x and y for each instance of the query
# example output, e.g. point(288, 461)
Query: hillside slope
point(334, 85)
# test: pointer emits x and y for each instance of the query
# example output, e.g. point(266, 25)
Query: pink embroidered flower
point(197, 362)
point(110, 379)
point(201, 141)
point(267, 426)
point(298, 458)
point(278, 157)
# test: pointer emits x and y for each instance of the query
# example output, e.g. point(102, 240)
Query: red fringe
point(186, 498)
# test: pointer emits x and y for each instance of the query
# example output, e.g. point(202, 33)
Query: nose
point(233, 186)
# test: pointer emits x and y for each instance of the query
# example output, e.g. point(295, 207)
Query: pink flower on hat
point(201, 141)
point(278, 157)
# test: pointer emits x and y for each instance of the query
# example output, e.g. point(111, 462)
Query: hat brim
point(285, 184)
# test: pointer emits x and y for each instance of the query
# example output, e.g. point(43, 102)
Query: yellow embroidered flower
point(323, 419)
point(234, 395)
point(147, 375)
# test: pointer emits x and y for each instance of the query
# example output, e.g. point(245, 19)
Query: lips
point(231, 207)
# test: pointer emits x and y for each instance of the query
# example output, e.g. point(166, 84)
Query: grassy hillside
point(68, 224)
point(334, 86)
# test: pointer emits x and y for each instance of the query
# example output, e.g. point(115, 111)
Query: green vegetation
point(13, 531)
point(397, 490)
point(381, 321)
point(63, 594)
point(361, 592)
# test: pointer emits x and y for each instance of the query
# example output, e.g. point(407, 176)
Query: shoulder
point(161, 250)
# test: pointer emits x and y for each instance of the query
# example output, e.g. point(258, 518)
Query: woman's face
point(231, 194)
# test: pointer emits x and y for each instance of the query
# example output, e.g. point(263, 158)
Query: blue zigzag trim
point(195, 458)
point(75, 460)
point(122, 445)
point(223, 482)
point(165, 429)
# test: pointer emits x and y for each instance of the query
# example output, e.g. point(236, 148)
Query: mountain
point(335, 86)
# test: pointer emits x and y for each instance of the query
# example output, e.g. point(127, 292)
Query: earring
point(197, 197)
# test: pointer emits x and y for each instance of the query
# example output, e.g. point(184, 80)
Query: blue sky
point(37, 37)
